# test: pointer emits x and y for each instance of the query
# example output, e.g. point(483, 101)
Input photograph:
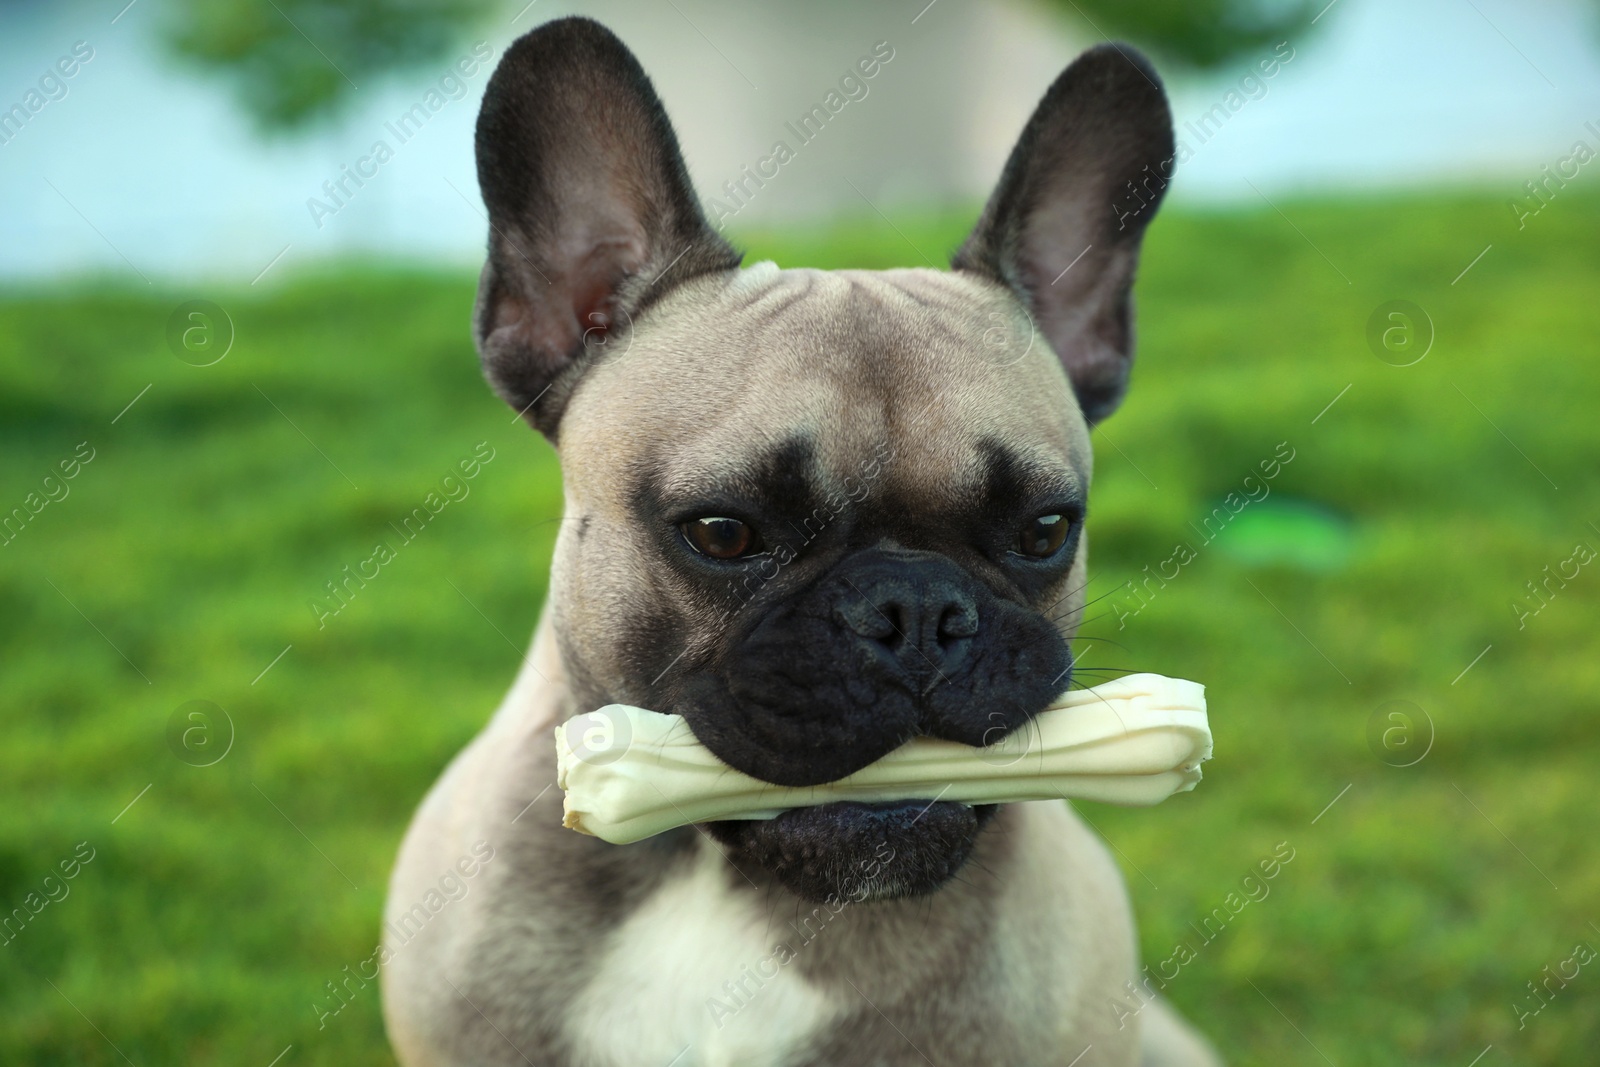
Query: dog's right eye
point(720, 537)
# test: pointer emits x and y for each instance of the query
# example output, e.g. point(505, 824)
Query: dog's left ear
point(1063, 226)
point(591, 214)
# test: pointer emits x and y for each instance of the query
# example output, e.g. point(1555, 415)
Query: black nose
point(920, 615)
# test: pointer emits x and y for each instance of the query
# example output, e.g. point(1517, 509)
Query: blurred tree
point(1199, 33)
point(292, 61)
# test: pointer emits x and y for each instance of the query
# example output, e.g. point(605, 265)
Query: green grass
point(1414, 910)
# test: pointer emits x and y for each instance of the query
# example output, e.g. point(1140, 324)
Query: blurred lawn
point(1406, 927)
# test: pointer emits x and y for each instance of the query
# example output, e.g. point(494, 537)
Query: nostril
point(922, 625)
point(957, 621)
point(875, 622)
point(887, 627)
point(898, 625)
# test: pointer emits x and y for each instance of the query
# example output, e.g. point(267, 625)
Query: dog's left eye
point(1043, 536)
point(720, 537)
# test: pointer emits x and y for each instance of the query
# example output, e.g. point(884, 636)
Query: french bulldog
point(816, 514)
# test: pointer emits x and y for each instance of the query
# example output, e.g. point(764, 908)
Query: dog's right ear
point(591, 214)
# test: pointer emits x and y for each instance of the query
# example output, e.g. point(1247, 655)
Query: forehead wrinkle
point(856, 359)
point(903, 372)
point(766, 290)
point(936, 436)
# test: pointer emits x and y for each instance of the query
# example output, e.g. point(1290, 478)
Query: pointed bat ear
point(591, 213)
point(1063, 227)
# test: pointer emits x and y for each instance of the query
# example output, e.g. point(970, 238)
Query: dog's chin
point(853, 852)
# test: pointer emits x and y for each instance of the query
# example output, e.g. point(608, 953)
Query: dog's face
point(817, 514)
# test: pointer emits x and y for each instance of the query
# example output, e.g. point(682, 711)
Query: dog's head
point(815, 513)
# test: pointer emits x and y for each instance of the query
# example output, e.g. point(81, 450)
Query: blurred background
point(238, 247)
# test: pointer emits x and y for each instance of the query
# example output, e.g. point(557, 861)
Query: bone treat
point(629, 773)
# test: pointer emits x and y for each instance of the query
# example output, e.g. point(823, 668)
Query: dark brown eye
point(1043, 536)
point(720, 538)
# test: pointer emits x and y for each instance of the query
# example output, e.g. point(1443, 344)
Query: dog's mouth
point(851, 852)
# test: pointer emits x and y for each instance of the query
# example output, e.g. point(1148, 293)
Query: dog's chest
point(693, 979)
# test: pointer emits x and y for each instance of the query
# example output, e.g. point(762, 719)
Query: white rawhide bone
point(630, 773)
